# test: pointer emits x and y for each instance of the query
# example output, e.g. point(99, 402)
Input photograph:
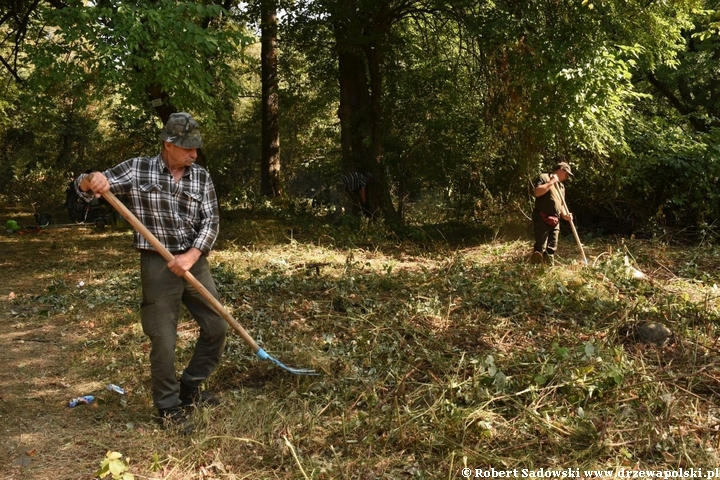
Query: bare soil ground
point(41, 437)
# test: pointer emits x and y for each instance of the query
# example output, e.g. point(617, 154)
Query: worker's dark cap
point(563, 166)
point(182, 130)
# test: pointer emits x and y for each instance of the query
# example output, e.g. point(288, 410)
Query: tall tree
point(361, 29)
point(270, 163)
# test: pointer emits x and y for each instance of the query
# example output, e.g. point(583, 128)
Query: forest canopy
point(455, 107)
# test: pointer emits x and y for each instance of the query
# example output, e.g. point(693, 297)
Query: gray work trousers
point(163, 292)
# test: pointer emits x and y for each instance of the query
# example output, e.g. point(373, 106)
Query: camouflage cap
point(564, 166)
point(182, 130)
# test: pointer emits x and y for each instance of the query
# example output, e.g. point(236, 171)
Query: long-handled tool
point(190, 278)
point(572, 226)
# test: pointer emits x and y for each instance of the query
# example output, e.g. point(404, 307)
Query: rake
point(190, 278)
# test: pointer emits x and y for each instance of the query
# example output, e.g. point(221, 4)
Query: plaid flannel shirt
point(181, 214)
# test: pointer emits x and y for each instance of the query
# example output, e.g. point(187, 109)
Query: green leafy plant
point(156, 463)
point(113, 465)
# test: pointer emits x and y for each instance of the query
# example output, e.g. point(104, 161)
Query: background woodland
point(455, 107)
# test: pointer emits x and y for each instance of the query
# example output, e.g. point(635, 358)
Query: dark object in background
point(43, 219)
point(80, 211)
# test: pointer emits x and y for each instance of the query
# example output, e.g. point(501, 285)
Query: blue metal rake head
point(263, 355)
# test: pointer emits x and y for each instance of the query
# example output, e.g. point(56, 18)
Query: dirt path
point(33, 386)
point(41, 437)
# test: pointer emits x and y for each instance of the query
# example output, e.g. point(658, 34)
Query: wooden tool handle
point(189, 277)
point(572, 226)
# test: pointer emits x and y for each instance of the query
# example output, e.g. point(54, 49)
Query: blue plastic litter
point(84, 400)
point(115, 388)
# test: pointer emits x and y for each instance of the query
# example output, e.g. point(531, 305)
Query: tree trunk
point(380, 196)
point(270, 162)
point(353, 112)
point(360, 112)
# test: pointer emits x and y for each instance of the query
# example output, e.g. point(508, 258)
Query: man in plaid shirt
point(175, 199)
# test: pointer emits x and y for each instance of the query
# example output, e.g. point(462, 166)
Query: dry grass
point(433, 358)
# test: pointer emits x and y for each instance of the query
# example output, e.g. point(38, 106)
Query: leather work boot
point(193, 397)
point(536, 258)
point(175, 418)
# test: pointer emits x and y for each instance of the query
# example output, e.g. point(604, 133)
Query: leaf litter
point(433, 358)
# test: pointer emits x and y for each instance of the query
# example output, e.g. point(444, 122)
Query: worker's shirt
point(180, 214)
point(551, 202)
point(354, 181)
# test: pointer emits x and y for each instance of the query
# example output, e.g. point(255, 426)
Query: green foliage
point(42, 152)
point(599, 100)
point(475, 100)
point(126, 47)
point(87, 73)
point(669, 184)
point(113, 465)
point(156, 463)
point(678, 178)
point(667, 180)
point(515, 92)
